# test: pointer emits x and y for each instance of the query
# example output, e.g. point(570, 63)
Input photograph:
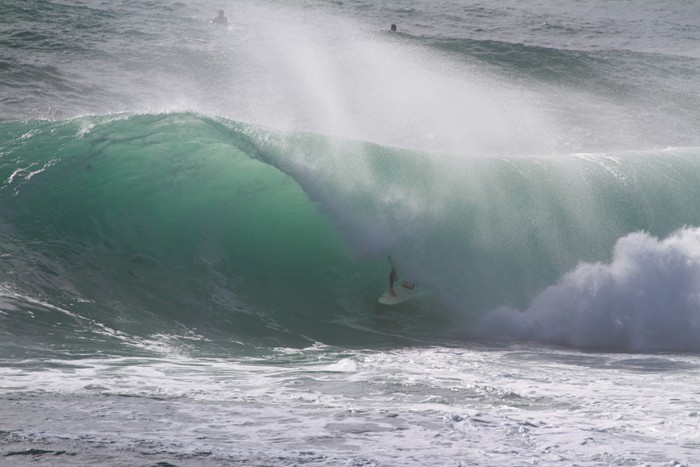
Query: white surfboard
point(402, 294)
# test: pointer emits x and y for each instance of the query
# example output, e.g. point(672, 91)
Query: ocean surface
point(195, 221)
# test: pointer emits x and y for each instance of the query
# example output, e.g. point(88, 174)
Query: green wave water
point(133, 225)
point(144, 222)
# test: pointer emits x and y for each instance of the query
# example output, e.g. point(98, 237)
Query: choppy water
point(466, 405)
point(194, 222)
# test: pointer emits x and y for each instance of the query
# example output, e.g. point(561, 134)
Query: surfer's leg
point(393, 277)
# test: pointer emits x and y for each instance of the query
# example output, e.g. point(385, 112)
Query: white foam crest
point(646, 299)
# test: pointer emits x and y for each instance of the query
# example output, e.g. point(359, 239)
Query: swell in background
point(504, 79)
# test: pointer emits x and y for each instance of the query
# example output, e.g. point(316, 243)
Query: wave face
point(118, 228)
point(533, 168)
point(144, 224)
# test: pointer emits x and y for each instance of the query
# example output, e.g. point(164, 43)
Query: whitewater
point(195, 221)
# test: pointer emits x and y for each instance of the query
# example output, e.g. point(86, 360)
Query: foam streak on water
point(322, 406)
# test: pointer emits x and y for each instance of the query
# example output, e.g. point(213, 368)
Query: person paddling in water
point(394, 276)
point(220, 19)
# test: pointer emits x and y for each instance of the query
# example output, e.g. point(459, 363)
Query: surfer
point(394, 276)
point(221, 19)
point(392, 28)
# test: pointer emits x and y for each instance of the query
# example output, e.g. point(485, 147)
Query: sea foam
point(646, 299)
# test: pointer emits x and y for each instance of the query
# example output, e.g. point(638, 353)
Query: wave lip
point(646, 299)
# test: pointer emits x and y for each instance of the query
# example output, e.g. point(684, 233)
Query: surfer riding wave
point(394, 276)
